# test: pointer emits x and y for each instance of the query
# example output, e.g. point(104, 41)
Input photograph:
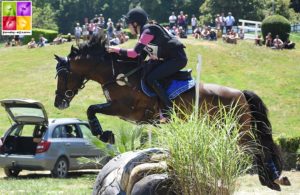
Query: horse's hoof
point(283, 181)
point(108, 137)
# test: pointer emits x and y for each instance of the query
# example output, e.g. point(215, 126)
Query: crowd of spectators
point(178, 26)
point(114, 32)
point(275, 43)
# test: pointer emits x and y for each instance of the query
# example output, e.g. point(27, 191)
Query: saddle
point(175, 84)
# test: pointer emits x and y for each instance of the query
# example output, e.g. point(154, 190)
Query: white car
point(35, 142)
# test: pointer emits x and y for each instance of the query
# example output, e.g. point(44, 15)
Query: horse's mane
point(96, 47)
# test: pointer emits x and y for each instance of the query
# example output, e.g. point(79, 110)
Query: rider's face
point(132, 29)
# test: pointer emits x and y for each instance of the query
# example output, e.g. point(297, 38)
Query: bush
point(277, 25)
point(48, 34)
point(289, 148)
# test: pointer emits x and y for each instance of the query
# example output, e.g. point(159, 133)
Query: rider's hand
point(112, 49)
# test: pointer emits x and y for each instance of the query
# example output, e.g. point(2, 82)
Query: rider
point(159, 44)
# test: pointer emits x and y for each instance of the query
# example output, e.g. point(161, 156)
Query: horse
point(120, 79)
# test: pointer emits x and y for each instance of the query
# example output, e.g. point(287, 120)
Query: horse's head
point(82, 64)
point(68, 83)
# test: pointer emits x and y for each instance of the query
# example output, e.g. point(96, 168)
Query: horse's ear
point(57, 57)
point(74, 50)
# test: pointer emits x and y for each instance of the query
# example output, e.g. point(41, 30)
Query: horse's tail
point(268, 158)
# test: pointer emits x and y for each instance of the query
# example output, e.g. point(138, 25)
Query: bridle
point(63, 69)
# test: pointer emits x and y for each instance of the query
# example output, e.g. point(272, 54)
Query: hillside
point(273, 75)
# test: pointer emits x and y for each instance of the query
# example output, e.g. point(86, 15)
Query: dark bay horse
point(120, 81)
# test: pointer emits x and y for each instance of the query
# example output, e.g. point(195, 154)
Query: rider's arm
point(146, 38)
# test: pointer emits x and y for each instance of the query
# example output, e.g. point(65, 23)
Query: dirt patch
point(249, 185)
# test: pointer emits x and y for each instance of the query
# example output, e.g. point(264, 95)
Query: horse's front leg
point(96, 129)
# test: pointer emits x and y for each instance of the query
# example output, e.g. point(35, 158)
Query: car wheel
point(11, 172)
point(61, 168)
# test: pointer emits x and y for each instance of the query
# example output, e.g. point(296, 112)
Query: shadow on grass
point(71, 175)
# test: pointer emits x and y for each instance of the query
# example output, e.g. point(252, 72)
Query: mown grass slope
point(273, 75)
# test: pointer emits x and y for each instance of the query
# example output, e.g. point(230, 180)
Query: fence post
point(199, 64)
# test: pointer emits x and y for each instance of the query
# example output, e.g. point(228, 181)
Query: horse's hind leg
point(96, 129)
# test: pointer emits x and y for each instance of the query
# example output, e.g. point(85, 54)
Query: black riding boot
point(161, 93)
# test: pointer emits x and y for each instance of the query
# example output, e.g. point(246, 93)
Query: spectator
point(8, 43)
point(85, 32)
point(193, 23)
point(181, 19)
point(186, 23)
point(110, 30)
point(222, 23)
point(91, 29)
point(115, 40)
point(218, 22)
point(58, 40)
point(205, 33)
point(229, 20)
point(289, 44)
point(17, 40)
point(173, 31)
point(197, 33)
point(21, 37)
point(278, 43)
point(258, 41)
point(77, 33)
point(181, 33)
point(172, 20)
point(269, 40)
point(42, 41)
point(241, 34)
point(31, 44)
point(212, 34)
point(69, 37)
point(101, 22)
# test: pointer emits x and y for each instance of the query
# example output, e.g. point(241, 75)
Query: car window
point(24, 130)
point(85, 131)
point(66, 131)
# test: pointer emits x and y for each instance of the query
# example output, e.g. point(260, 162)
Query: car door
point(90, 150)
point(70, 141)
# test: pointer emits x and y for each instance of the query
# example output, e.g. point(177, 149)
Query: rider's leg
point(164, 70)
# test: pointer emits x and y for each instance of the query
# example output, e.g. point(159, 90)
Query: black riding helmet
point(137, 15)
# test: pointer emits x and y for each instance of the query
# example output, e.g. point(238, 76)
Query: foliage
point(204, 152)
point(250, 10)
point(44, 17)
point(277, 25)
point(36, 32)
point(289, 147)
point(295, 4)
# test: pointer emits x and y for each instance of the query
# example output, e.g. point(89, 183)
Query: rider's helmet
point(137, 15)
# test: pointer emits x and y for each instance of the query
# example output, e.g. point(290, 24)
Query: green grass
point(42, 183)
point(273, 75)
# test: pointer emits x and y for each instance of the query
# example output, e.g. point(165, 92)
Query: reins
point(120, 77)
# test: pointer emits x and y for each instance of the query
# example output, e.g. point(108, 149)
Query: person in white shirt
point(229, 21)
point(77, 33)
point(193, 23)
point(172, 20)
point(222, 23)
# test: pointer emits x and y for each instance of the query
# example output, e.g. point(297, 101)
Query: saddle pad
point(174, 89)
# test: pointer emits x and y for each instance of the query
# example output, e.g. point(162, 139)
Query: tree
point(44, 17)
point(251, 9)
point(295, 4)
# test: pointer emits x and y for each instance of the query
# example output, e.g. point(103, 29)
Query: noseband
point(63, 69)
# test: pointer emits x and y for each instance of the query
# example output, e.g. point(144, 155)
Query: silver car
point(35, 142)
